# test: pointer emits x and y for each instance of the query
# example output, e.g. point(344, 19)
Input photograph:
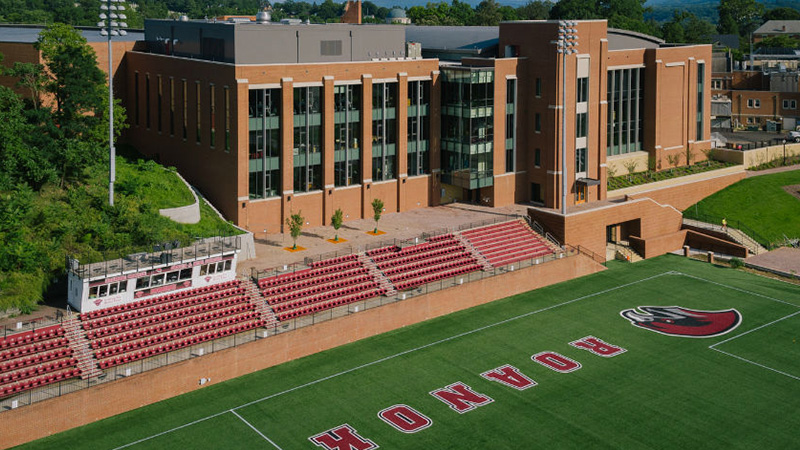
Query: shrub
point(736, 263)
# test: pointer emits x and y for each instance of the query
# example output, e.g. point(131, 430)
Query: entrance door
point(580, 193)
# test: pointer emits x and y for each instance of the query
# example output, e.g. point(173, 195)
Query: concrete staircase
point(259, 302)
point(80, 348)
point(487, 266)
point(623, 251)
point(377, 275)
point(737, 235)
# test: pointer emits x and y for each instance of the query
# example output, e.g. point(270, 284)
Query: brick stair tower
point(377, 275)
point(259, 302)
point(487, 266)
point(80, 348)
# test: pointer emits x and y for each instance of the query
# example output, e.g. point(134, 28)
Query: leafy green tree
point(20, 160)
point(377, 210)
point(782, 13)
point(535, 10)
point(575, 10)
point(295, 224)
point(740, 17)
point(31, 77)
point(778, 41)
point(336, 222)
point(685, 27)
point(487, 13)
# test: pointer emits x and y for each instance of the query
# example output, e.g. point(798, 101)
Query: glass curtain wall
point(419, 100)
point(347, 132)
point(264, 125)
point(625, 110)
point(467, 127)
point(307, 139)
point(384, 131)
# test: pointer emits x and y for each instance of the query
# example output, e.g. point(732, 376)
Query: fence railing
point(753, 145)
point(136, 367)
point(732, 223)
point(32, 325)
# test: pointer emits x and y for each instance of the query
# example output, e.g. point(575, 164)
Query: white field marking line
point(740, 290)
point(256, 430)
point(754, 329)
point(755, 363)
point(396, 355)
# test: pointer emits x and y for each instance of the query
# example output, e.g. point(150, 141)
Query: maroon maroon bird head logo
point(680, 321)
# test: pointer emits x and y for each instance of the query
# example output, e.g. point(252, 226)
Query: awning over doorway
point(588, 181)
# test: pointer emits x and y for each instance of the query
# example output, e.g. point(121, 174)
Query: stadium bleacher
point(507, 242)
point(169, 322)
point(35, 358)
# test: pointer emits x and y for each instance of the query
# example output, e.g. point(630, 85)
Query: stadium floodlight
point(565, 45)
point(111, 25)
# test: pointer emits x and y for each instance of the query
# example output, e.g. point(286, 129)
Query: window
point(790, 104)
point(753, 103)
point(185, 92)
point(136, 96)
point(346, 135)
point(158, 103)
point(511, 124)
point(197, 110)
point(701, 83)
point(581, 124)
point(384, 131)
point(538, 87)
point(418, 127)
point(580, 160)
point(751, 121)
point(147, 100)
point(264, 143)
point(625, 119)
point(716, 84)
point(537, 123)
point(583, 90)
point(537, 157)
point(227, 118)
point(108, 289)
point(171, 106)
point(307, 139)
point(212, 102)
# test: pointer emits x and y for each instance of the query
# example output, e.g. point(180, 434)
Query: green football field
point(737, 389)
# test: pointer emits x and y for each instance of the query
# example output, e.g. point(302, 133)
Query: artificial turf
point(662, 392)
point(759, 203)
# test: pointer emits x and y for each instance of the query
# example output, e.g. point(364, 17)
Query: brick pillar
point(435, 151)
point(402, 140)
point(287, 146)
point(366, 145)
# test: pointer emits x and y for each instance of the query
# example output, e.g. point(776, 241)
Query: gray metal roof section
point(725, 40)
point(629, 40)
point(775, 27)
point(453, 38)
point(28, 34)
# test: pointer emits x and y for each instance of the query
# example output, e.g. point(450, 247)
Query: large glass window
point(347, 132)
point(384, 131)
point(468, 127)
point(307, 139)
point(197, 110)
point(625, 110)
point(171, 106)
point(159, 97)
point(419, 93)
point(264, 125)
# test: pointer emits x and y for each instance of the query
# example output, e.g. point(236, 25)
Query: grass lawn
point(759, 203)
point(661, 392)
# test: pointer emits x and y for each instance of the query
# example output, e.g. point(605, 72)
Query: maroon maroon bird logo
point(680, 321)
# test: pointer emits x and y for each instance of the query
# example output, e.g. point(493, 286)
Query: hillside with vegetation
point(54, 177)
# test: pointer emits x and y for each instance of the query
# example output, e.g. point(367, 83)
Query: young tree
point(31, 77)
point(377, 210)
point(295, 224)
point(534, 10)
point(740, 17)
point(336, 221)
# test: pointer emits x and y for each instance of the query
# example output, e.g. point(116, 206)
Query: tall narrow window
point(581, 125)
point(227, 118)
point(159, 102)
point(580, 160)
point(701, 82)
point(136, 96)
point(625, 110)
point(511, 124)
point(347, 132)
point(538, 87)
point(147, 100)
point(212, 116)
point(537, 123)
point(198, 128)
point(171, 106)
point(185, 115)
point(418, 125)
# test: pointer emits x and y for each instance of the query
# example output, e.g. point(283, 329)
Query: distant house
point(721, 42)
point(772, 28)
point(397, 16)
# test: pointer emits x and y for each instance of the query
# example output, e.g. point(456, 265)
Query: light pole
point(784, 152)
point(565, 45)
point(111, 25)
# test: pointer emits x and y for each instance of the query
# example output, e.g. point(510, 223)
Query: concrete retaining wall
point(755, 157)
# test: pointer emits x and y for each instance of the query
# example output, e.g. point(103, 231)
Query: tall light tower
point(565, 45)
point(111, 24)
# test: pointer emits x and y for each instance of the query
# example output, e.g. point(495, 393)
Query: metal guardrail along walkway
point(737, 235)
